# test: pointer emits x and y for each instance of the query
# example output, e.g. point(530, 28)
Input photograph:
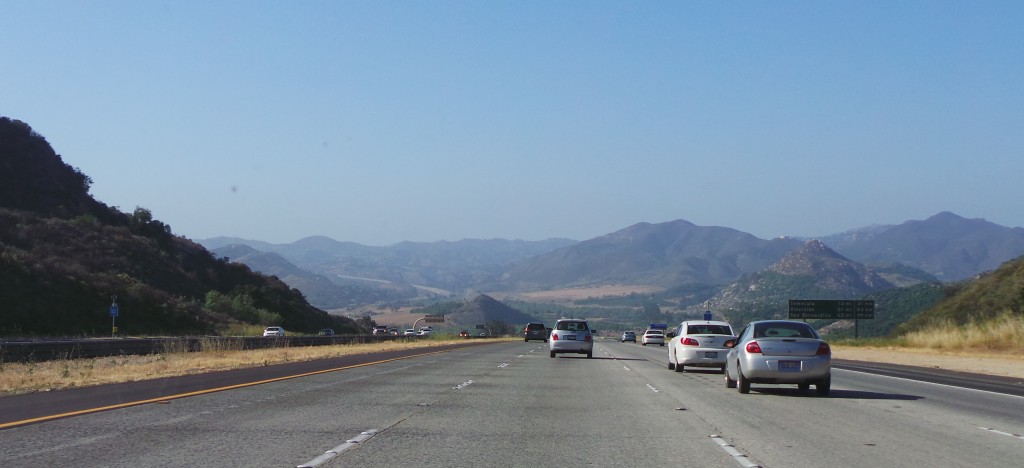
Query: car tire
point(824, 386)
point(526, 340)
point(663, 344)
point(645, 344)
point(670, 365)
point(722, 369)
point(679, 367)
point(742, 384)
point(552, 354)
point(729, 383)
point(590, 354)
point(803, 387)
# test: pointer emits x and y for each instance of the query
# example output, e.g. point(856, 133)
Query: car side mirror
point(593, 332)
point(730, 343)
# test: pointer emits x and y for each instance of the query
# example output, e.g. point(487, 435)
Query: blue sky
point(382, 121)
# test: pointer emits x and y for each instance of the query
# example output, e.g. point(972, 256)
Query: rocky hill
point(812, 271)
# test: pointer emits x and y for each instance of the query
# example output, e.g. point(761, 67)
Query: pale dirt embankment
point(1007, 365)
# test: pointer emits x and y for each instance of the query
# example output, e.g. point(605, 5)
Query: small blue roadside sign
point(658, 326)
point(113, 311)
point(707, 315)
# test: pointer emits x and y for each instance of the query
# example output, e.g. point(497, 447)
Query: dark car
point(535, 331)
point(326, 332)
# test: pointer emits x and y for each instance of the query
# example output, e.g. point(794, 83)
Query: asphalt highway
point(510, 404)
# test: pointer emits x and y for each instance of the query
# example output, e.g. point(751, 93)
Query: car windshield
point(705, 329)
point(572, 326)
point(783, 330)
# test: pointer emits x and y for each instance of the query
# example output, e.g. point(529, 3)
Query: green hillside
point(991, 296)
point(63, 255)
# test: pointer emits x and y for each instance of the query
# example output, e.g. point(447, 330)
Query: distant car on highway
point(409, 332)
point(629, 336)
point(653, 336)
point(779, 352)
point(380, 330)
point(326, 332)
point(571, 336)
point(698, 343)
point(535, 331)
point(464, 333)
point(273, 331)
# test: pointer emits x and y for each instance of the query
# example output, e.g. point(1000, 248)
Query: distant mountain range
point(944, 247)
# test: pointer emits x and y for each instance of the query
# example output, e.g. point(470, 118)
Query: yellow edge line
point(203, 392)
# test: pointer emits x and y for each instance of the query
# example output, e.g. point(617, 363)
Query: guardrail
point(37, 351)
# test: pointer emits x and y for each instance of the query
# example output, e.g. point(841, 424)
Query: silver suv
point(572, 336)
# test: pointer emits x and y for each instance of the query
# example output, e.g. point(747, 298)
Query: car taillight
point(823, 349)
point(753, 347)
point(690, 342)
point(586, 338)
point(554, 336)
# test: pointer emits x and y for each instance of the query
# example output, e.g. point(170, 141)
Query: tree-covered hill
point(985, 298)
point(63, 255)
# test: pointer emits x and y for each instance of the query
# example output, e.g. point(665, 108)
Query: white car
point(409, 332)
point(273, 331)
point(571, 336)
point(653, 336)
point(699, 343)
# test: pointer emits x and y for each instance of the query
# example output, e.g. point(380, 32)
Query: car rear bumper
point(702, 357)
point(767, 369)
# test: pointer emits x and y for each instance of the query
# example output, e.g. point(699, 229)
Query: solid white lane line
point(328, 455)
point(735, 454)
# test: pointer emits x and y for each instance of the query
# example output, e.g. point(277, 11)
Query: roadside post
point(113, 315)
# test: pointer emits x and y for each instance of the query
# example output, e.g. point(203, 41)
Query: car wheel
point(590, 354)
point(552, 354)
point(729, 383)
point(645, 344)
point(527, 340)
point(663, 344)
point(741, 382)
point(670, 365)
point(803, 387)
point(679, 367)
point(824, 386)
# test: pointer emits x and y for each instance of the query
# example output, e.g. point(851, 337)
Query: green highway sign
point(816, 309)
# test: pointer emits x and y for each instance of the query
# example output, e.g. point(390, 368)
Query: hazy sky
point(383, 121)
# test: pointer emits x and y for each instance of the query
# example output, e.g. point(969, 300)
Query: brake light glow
point(823, 349)
point(586, 338)
point(753, 347)
point(554, 337)
point(690, 342)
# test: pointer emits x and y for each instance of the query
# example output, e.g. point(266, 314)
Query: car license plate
point(711, 354)
point(789, 366)
point(570, 337)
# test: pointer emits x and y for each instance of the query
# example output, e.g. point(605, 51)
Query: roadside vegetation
point(216, 355)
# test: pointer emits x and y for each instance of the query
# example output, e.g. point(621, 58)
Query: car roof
point(706, 322)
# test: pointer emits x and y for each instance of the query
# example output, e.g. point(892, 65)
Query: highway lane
point(509, 403)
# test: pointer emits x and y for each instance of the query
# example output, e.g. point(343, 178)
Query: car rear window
point(572, 326)
point(783, 330)
point(535, 326)
point(708, 330)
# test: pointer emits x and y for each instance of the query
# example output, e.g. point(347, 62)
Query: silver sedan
point(779, 352)
point(571, 336)
point(698, 343)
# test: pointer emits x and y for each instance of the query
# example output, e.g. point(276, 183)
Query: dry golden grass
point(574, 294)
point(1005, 333)
point(70, 373)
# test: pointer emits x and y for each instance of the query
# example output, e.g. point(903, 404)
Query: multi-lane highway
point(511, 404)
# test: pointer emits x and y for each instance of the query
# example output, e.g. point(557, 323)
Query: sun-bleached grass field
point(70, 373)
